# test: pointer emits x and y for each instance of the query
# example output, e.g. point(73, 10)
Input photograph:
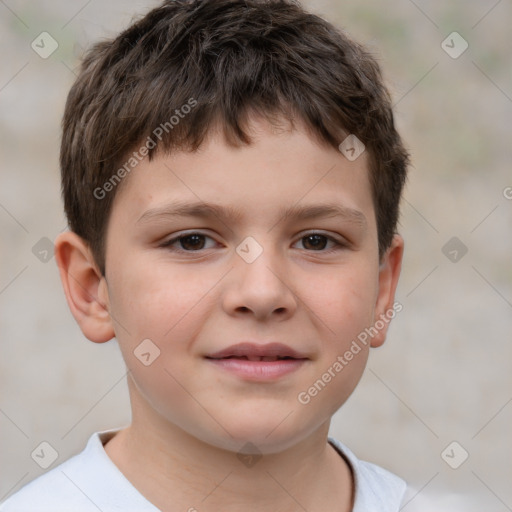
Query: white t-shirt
point(91, 482)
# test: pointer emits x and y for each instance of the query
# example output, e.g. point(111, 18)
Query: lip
point(256, 362)
point(253, 350)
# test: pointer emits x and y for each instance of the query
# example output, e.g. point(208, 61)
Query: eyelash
point(167, 244)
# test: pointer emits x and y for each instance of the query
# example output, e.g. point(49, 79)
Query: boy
point(231, 175)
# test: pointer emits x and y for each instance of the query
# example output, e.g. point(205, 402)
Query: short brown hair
point(226, 59)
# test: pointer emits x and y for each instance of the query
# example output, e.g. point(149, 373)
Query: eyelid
point(310, 232)
point(175, 238)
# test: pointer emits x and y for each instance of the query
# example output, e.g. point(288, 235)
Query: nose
point(262, 287)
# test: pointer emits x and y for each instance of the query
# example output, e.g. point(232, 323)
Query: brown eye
point(315, 242)
point(192, 242)
point(318, 242)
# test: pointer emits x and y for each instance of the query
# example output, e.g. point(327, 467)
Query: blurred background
point(435, 403)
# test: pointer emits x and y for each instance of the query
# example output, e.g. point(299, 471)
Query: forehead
point(284, 171)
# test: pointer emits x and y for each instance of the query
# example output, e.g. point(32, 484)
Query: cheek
point(342, 308)
point(165, 309)
point(153, 303)
point(344, 302)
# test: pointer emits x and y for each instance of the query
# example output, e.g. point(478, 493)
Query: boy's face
point(201, 296)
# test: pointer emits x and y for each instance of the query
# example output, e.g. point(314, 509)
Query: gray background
point(444, 373)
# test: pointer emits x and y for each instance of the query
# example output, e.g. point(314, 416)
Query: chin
point(260, 435)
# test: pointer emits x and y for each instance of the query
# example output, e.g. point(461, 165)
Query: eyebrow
point(230, 214)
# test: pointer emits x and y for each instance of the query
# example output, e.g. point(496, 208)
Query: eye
point(191, 242)
point(318, 241)
point(195, 242)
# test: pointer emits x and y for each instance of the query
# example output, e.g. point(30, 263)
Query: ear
point(389, 272)
point(85, 288)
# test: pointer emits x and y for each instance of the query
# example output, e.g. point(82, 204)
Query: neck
point(181, 472)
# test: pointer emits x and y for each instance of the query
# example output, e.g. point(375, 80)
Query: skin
point(190, 419)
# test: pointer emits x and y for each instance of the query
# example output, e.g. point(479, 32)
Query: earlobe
point(389, 272)
point(84, 286)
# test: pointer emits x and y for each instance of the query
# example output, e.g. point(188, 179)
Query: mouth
point(257, 352)
point(255, 362)
point(255, 358)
